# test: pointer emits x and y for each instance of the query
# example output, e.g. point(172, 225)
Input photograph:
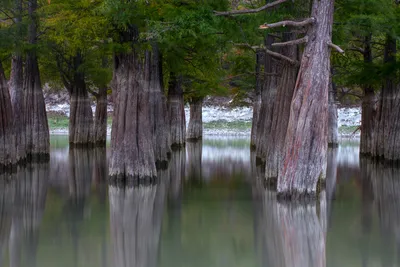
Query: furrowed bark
point(257, 98)
point(275, 139)
point(7, 136)
point(132, 153)
point(333, 135)
point(100, 118)
point(159, 121)
point(37, 129)
point(195, 127)
point(306, 138)
point(176, 112)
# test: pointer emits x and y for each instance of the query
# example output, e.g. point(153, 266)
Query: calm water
point(209, 210)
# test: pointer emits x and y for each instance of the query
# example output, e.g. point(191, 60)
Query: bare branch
point(293, 42)
point(336, 47)
point(287, 23)
point(280, 56)
point(249, 11)
point(356, 49)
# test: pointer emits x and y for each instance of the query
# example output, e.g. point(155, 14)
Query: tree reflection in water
point(135, 219)
point(194, 159)
point(7, 191)
point(290, 234)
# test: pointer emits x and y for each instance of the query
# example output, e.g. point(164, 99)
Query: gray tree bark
point(7, 136)
point(37, 129)
point(333, 134)
point(195, 127)
point(100, 118)
point(306, 138)
point(176, 112)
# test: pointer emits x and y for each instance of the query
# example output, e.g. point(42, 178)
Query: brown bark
point(306, 138)
point(7, 137)
point(333, 135)
point(100, 118)
point(368, 106)
point(268, 96)
point(274, 138)
point(176, 112)
point(37, 129)
point(159, 121)
point(16, 85)
point(195, 127)
point(257, 98)
point(132, 154)
point(387, 137)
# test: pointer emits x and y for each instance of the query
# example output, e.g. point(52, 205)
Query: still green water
point(210, 209)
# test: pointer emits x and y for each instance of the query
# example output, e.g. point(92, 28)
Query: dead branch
point(282, 57)
point(287, 23)
point(249, 11)
point(335, 47)
point(293, 42)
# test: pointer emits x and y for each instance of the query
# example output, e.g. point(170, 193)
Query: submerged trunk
point(333, 135)
point(275, 139)
point(16, 84)
point(268, 96)
point(176, 112)
point(195, 127)
point(368, 107)
point(132, 154)
point(257, 98)
point(158, 109)
point(306, 137)
point(100, 118)
point(7, 137)
point(37, 129)
point(387, 141)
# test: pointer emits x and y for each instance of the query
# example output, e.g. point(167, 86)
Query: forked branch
point(287, 23)
point(335, 47)
point(249, 11)
point(293, 42)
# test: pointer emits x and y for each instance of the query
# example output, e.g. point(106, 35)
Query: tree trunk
point(100, 118)
point(275, 139)
point(37, 129)
point(176, 112)
point(132, 154)
point(16, 85)
point(195, 127)
point(7, 137)
point(159, 122)
point(387, 141)
point(306, 138)
point(257, 98)
point(333, 135)
point(368, 106)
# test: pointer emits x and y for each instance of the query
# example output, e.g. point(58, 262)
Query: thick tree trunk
point(368, 107)
point(176, 112)
point(275, 138)
point(159, 121)
point(268, 96)
point(7, 137)
point(16, 85)
point(333, 134)
point(132, 154)
point(257, 97)
point(195, 127)
point(100, 118)
point(306, 138)
point(37, 129)
point(387, 137)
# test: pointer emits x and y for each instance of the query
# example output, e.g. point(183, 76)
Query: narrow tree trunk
point(159, 122)
point(275, 139)
point(268, 96)
point(100, 118)
point(333, 135)
point(176, 112)
point(37, 129)
point(195, 127)
point(368, 106)
point(306, 138)
point(132, 154)
point(7, 137)
point(257, 98)
point(387, 138)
